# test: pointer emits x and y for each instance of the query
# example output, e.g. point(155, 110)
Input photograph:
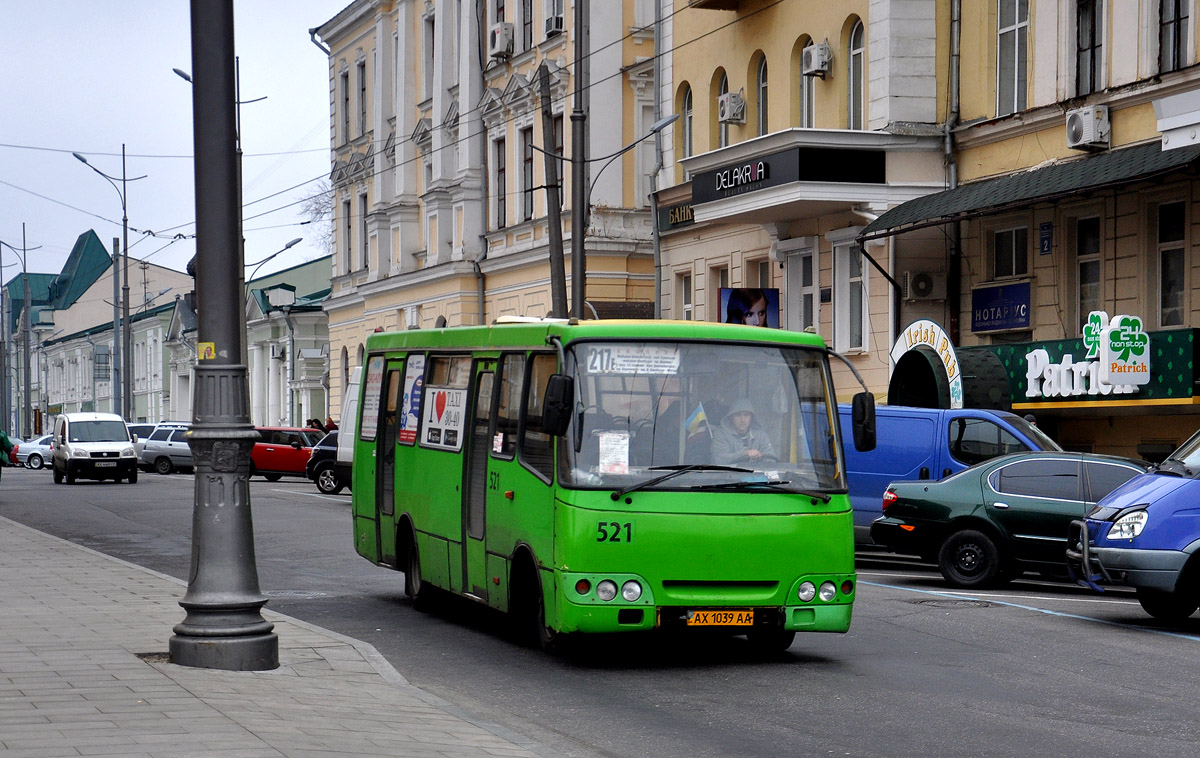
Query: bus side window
point(512, 374)
point(537, 447)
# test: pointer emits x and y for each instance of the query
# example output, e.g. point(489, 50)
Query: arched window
point(722, 128)
point(762, 96)
point(807, 92)
point(685, 126)
point(857, 61)
point(345, 368)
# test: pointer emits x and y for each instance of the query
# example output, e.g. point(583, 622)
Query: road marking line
point(955, 593)
point(310, 494)
point(987, 599)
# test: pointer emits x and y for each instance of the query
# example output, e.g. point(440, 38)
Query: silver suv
point(166, 449)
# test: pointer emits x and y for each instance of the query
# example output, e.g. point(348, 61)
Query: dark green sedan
point(987, 524)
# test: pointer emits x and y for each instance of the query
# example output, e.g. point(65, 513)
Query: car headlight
point(807, 591)
point(1128, 526)
point(77, 453)
point(631, 591)
point(828, 591)
point(128, 452)
point(606, 590)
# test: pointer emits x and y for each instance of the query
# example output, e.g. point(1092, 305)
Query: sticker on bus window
point(632, 359)
point(371, 398)
point(410, 406)
point(614, 452)
point(445, 418)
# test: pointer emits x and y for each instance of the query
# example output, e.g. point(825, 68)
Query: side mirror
point(133, 437)
point(556, 411)
point(862, 415)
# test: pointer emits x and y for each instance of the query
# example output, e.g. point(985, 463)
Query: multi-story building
point(439, 132)
point(1073, 127)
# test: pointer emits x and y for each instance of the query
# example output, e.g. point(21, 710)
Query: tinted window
point(160, 434)
point(1103, 478)
point(974, 440)
point(1056, 478)
point(179, 435)
point(309, 438)
point(329, 440)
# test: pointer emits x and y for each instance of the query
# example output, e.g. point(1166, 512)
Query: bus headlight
point(606, 590)
point(1128, 526)
point(807, 591)
point(631, 591)
point(828, 591)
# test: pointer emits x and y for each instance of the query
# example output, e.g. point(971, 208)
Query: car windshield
point(1033, 433)
point(98, 431)
point(721, 414)
point(1188, 454)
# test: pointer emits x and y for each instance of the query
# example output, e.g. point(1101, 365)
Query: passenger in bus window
point(740, 440)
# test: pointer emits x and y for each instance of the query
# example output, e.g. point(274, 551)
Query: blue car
point(1146, 534)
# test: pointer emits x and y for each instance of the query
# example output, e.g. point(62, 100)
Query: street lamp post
point(121, 336)
point(26, 314)
point(259, 264)
point(224, 627)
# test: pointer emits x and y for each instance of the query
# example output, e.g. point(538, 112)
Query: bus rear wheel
point(415, 587)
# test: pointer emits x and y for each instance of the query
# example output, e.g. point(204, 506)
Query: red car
point(282, 451)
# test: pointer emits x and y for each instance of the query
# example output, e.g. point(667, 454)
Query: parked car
point(282, 451)
point(986, 524)
point(928, 443)
point(322, 466)
point(1146, 535)
point(166, 448)
point(34, 453)
point(92, 446)
point(139, 429)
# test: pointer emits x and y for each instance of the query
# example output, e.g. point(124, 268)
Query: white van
point(348, 431)
point(92, 446)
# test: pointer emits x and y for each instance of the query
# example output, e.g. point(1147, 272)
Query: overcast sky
point(86, 76)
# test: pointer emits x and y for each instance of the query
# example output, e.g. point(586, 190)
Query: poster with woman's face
point(752, 306)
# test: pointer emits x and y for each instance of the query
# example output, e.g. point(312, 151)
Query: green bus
point(608, 476)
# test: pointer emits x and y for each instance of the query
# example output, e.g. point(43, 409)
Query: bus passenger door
point(385, 463)
point(475, 482)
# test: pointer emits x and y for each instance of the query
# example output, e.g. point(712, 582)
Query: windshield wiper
point(824, 497)
point(674, 471)
point(1175, 467)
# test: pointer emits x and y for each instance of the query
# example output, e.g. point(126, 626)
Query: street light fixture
point(259, 264)
point(26, 313)
point(123, 400)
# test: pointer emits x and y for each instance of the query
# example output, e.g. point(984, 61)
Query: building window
point(1010, 56)
point(722, 127)
point(345, 83)
point(857, 72)
point(501, 186)
point(762, 96)
point(347, 233)
point(1010, 253)
point(1087, 257)
point(850, 298)
point(1172, 34)
point(430, 55)
point(362, 231)
point(499, 8)
point(803, 295)
point(807, 95)
point(685, 127)
point(361, 71)
point(1088, 48)
point(527, 173)
point(554, 9)
point(719, 279)
point(685, 297)
point(558, 150)
point(526, 24)
point(1171, 292)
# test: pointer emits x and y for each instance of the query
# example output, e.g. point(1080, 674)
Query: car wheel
point(1168, 606)
point(272, 477)
point(132, 476)
point(969, 559)
point(163, 465)
point(58, 477)
point(70, 475)
point(327, 480)
point(34, 461)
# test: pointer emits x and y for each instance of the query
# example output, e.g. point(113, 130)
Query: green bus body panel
point(688, 549)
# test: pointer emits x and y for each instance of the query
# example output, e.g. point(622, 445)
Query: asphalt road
point(1038, 668)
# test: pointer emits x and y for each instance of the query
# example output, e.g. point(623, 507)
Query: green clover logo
point(1096, 322)
point(1127, 338)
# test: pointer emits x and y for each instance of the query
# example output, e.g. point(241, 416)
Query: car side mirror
point(134, 437)
point(297, 445)
point(556, 411)
point(862, 415)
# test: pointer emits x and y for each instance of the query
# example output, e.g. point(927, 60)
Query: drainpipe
point(896, 288)
point(954, 269)
point(479, 289)
point(287, 316)
point(658, 163)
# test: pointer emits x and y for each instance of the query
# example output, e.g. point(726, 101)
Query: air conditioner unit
point(500, 41)
point(924, 285)
point(1088, 128)
point(816, 59)
point(731, 108)
point(554, 26)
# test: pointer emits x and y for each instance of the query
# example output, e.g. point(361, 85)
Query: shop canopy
point(1059, 180)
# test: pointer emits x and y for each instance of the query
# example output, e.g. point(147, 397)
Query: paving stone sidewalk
point(84, 671)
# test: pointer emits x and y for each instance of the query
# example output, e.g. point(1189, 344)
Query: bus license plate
point(720, 618)
point(106, 463)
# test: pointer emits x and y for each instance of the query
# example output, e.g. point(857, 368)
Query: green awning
point(1003, 193)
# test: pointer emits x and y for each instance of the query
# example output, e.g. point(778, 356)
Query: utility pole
point(578, 170)
point(118, 368)
point(126, 329)
point(224, 627)
point(558, 267)
point(28, 335)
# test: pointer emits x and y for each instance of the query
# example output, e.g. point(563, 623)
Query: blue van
point(927, 443)
point(1146, 534)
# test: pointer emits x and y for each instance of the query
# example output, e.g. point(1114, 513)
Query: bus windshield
point(730, 413)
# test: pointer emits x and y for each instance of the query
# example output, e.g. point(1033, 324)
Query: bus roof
point(535, 333)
